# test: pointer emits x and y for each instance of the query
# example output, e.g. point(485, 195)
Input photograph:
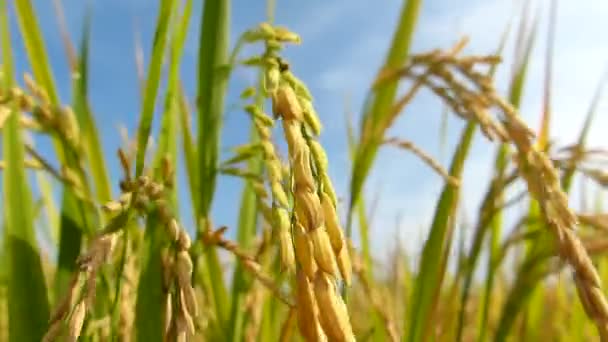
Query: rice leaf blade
point(34, 45)
point(70, 234)
point(212, 86)
point(150, 300)
point(152, 83)
point(96, 159)
point(428, 281)
point(494, 246)
point(28, 304)
point(381, 103)
point(582, 138)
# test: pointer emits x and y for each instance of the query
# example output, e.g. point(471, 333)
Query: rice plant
point(138, 258)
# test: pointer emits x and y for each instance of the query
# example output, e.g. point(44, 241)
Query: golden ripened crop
point(128, 266)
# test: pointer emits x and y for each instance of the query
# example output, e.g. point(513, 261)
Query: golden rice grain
point(307, 308)
point(184, 267)
point(333, 314)
point(286, 104)
point(323, 252)
point(183, 240)
point(281, 221)
point(308, 209)
point(173, 230)
point(301, 170)
point(168, 314)
point(189, 297)
point(304, 251)
point(185, 314)
point(310, 116)
point(344, 264)
point(331, 223)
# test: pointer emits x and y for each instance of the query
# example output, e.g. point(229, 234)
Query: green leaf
point(212, 86)
point(149, 307)
point(48, 202)
point(69, 246)
point(494, 246)
point(362, 216)
point(432, 263)
point(545, 122)
point(77, 217)
point(531, 272)
point(150, 304)
point(380, 107)
point(34, 45)
point(188, 150)
point(152, 82)
point(582, 138)
point(86, 121)
point(71, 223)
point(27, 295)
point(377, 334)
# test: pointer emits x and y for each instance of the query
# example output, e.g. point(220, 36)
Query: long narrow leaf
point(212, 84)
point(76, 217)
point(380, 334)
point(34, 44)
point(428, 281)
point(380, 106)
point(89, 131)
point(152, 83)
point(494, 246)
point(582, 139)
point(361, 208)
point(150, 304)
point(27, 297)
point(188, 149)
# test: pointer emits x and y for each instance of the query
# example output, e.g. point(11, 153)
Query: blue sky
point(344, 43)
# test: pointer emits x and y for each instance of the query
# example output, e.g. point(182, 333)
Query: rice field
point(88, 256)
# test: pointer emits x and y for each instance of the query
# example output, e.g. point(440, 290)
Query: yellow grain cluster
point(320, 249)
point(319, 243)
point(38, 113)
point(81, 291)
point(44, 115)
point(473, 100)
point(143, 195)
